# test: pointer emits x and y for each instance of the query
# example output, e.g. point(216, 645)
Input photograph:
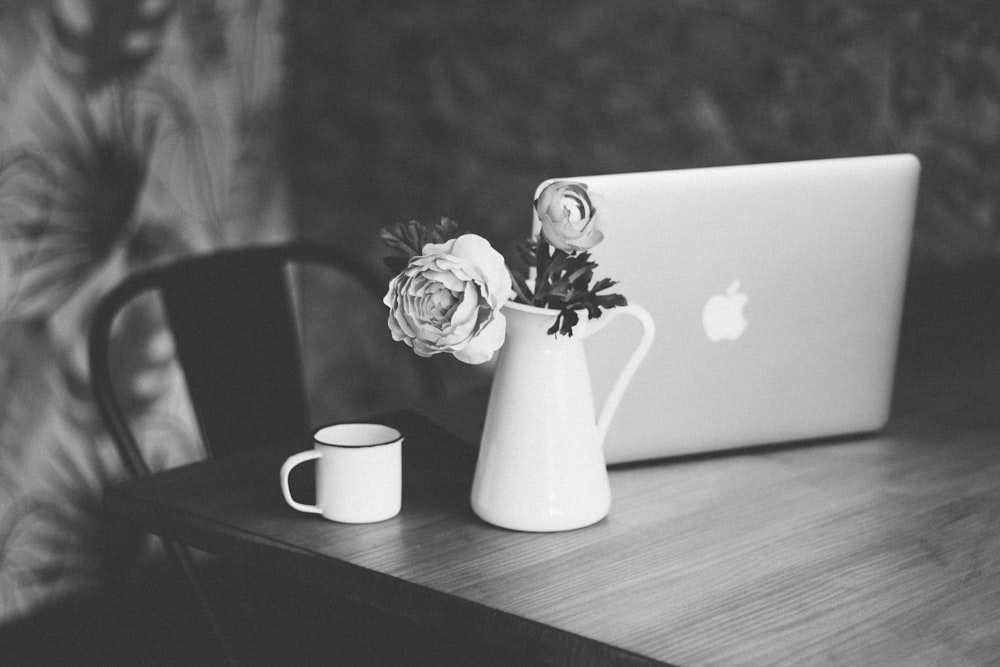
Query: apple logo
point(723, 317)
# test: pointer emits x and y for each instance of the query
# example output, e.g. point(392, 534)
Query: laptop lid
point(777, 294)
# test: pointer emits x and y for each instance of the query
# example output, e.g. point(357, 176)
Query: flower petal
point(482, 347)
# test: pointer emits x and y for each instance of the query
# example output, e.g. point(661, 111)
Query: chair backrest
point(232, 316)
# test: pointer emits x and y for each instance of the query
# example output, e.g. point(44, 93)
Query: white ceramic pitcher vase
point(541, 464)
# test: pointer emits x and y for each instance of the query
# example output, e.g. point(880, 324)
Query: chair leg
point(183, 559)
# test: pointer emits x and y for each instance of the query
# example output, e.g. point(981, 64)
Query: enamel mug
point(359, 473)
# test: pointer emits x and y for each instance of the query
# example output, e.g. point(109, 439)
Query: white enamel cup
point(359, 473)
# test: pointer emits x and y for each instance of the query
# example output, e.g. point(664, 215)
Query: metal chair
point(232, 316)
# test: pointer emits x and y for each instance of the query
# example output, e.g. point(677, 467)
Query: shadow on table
point(272, 621)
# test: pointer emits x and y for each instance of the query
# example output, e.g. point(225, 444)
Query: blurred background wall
point(381, 111)
point(443, 107)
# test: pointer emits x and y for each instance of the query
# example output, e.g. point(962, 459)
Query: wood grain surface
point(867, 550)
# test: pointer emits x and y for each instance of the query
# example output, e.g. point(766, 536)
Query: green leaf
point(565, 321)
point(409, 239)
point(444, 230)
point(611, 301)
point(521, 288)
point(404, 237)
point(603, 284)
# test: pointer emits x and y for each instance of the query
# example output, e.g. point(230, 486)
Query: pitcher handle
point(631, 366)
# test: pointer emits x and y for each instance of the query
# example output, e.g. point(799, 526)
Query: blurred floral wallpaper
point(132, 132)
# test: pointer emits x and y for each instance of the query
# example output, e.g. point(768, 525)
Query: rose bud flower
point(448, 300)
point(568, 217)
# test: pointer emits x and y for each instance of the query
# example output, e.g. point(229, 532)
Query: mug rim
point(392, 429)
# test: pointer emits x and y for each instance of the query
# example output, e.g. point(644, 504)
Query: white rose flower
point(568, 217)
point(448, 299)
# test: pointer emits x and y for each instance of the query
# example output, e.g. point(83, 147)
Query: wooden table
point(874, 550)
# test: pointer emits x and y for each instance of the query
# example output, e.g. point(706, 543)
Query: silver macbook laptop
point(777, 293)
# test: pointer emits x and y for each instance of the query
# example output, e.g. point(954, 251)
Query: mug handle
point(631, 366)
point(286, 468)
